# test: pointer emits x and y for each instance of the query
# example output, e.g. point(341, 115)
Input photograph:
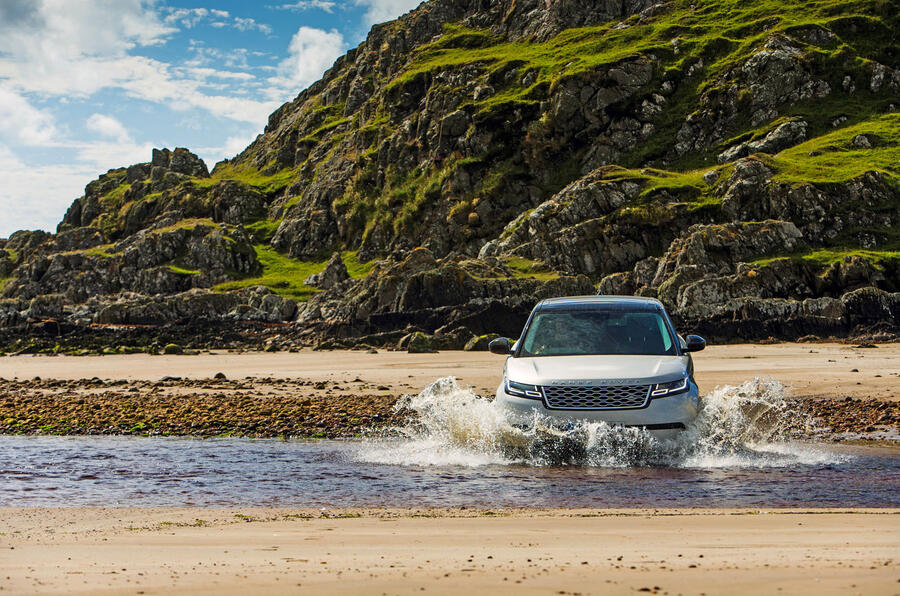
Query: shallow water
point(742, 451)
point(144, 472)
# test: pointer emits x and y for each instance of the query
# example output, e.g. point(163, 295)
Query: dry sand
point(246, 551)
point(825, 370)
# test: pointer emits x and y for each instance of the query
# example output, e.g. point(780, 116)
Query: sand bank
point(243, 551)
point(810, 369)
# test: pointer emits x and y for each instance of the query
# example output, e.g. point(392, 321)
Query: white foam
point(751, 425)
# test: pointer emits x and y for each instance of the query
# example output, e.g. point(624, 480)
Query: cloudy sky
point(89, 85)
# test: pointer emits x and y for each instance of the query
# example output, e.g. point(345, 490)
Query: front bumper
point(663, 417)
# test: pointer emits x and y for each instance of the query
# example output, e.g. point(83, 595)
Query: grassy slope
point(833, 157)
point(722, 33)
point(286, 276)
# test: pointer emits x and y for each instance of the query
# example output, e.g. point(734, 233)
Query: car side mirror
point(695, 343)
point(500, 345)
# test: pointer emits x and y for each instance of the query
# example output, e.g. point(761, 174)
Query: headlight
point(670, 388)
point(523, 390)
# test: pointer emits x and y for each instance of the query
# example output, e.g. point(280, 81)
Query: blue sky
point(89, 85)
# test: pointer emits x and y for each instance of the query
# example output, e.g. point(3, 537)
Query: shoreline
point(853, 392)
point(406, 551)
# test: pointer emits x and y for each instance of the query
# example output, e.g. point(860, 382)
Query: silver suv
point(615, 359)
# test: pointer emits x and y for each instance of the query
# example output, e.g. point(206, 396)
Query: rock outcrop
point(471, 158)
point(334, 273)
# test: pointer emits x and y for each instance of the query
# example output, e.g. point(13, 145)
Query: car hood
point(614, 369)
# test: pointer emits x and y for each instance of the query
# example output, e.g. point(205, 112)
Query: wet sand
point(243, 551)
point(809, 369)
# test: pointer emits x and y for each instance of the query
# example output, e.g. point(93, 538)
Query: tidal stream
point(746, 449)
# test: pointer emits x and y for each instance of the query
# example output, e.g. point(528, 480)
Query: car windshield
point(597, 332)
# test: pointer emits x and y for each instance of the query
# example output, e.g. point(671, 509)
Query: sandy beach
point(809, 369)
point(444, 551)
point(243, 551)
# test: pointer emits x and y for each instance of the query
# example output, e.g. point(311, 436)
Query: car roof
point(628, 303)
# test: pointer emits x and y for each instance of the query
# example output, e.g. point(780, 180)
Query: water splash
point(749, 425)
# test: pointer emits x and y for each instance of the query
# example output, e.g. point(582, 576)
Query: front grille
point(596, 397)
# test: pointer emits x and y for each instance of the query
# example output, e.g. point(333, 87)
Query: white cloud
point(63, 30)
point(310, 53)
point(233, 146)
point(187, 17)
point(108, 127)
point(248, 24)
point(212, 73)
point(233, 58)
point(139, 77)
point(302, 5)
point(65, 50)
point(191, 17)
point(23, 122)
point(105, 155)
point(36, 197)
point(74, 49)
point(379, 11)
point(61, 50)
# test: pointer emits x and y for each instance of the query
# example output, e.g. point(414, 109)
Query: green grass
point(355, 268)
point(245, 173)
point(263, 230)
point(187, 224)
point(838, 160)
point(398, 205)
point(114, 199)
point(720, 31)
point(723, 33)
point(527, 268)
point(104, 250)
point(285, 276)
point(329, 124)
point(4, 281)
point(182, 271)
point(825, 257)
point(688, 185)
point(282, 274)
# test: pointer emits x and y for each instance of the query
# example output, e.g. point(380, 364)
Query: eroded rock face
point(859, 312)
point(251, 304)
point(570, 233)
point(334, 273)
point(820, 212)
point(165, 260)
point(180, 161)
point(786, 135)
point(432, 295)
point(775, 77)
point(122, 186)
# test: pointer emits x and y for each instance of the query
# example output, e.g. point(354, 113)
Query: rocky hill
point(739, 160)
